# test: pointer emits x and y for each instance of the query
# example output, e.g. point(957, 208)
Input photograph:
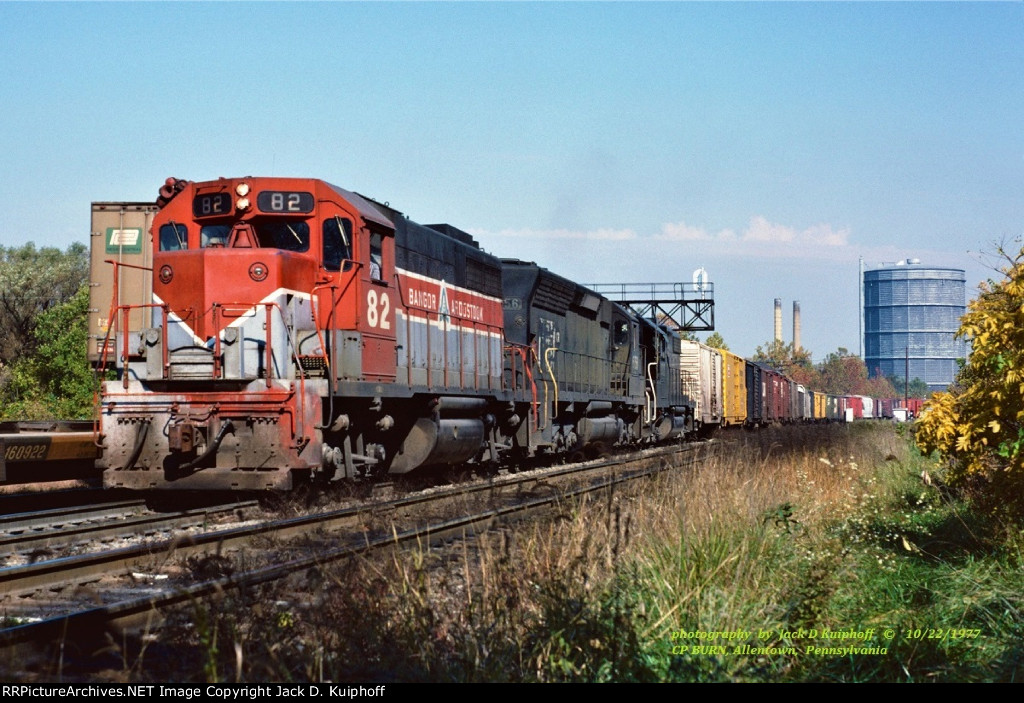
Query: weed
point(838, 529)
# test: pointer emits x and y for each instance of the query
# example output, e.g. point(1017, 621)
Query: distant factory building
point(912, 312)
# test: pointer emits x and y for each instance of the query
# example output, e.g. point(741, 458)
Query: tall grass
point(783, 534)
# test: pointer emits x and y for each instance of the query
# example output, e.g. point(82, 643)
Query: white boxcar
point(701, 370)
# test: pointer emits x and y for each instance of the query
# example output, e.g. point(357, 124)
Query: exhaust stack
point(796, 325)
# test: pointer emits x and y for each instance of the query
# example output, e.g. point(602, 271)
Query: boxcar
point(701, 370)
point(734, 389)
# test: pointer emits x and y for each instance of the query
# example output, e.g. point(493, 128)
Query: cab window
point(214, 235)
point(173, 237)
point(376, 257)
point(337, 243)
point(620, 337)
point(283, 234)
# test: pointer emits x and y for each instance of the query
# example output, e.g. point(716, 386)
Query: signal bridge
point(689, 307)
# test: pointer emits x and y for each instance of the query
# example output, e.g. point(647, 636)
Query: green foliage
point(978, 424)
point(843, 373)
point(717, 341)
point(31, 282)
point(795, 363)
point(852, 543)
point(782, 516)
point(591, 639)
point(945, 581)
point(781, 355)
point(54, 380)
point(916, 389)
point(44, 300)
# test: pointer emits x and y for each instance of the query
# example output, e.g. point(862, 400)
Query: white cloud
point(824, 235)
point(682, 232)
point(765, 239)
point(761, 230)
point(604, 234)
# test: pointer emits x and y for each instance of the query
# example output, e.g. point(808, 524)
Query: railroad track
point(14, 524)
point(62, 528)
point(325, 537)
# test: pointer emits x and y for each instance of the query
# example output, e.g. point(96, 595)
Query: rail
point(94, 624)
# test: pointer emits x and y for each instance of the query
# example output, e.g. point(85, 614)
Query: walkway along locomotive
point(298, 330)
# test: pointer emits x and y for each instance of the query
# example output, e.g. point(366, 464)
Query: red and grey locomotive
point(297, 330)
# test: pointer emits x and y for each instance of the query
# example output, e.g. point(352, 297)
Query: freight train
point(288, 329)
point(272, 331)
point(728, 390)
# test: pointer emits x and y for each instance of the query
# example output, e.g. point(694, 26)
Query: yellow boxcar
point(734, 389)
point(820, 412)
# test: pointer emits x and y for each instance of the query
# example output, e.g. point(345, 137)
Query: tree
point(795, 363)
point(56, 380)
point(844, 373)
point(916, 389)
point(717, 341)
point(31, 282)
point(841, 372)
point(978, 424)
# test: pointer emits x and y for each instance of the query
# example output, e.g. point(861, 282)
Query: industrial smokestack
point(778, 319)
point(796, 325)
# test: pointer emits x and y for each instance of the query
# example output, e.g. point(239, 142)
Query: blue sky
point(771, 143)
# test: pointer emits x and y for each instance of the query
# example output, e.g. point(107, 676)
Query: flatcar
point(39, 451)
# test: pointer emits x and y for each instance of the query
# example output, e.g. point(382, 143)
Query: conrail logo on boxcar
point(124, 240)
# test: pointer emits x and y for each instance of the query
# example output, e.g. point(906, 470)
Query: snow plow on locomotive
point(297, 330)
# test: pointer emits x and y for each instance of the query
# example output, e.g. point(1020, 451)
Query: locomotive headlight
point(242, 204)
point(166, 274)
point(242, 189)
point(258, 271)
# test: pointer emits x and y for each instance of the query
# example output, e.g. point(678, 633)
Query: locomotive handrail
point(125, 310)
point(114, 305)
point(649, 411)
point(596, 380)
point(267, 305)
point(328, 360)
point(125, 352)
point(131, 266)
point(523, 353)
point(111, 326)
point(548, 353)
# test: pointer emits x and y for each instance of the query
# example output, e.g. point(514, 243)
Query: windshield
point(275, 234)
point(282, 234)
point(173, 237)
